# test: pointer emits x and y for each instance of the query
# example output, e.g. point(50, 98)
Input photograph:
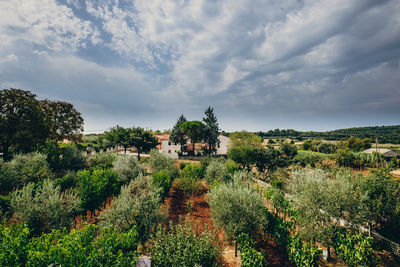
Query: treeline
point(385, 134)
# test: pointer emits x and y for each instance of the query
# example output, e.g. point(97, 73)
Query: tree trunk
point(328, 249)
point(369, 229)
point(236, 248)
point(124, 150)
point(138, 154)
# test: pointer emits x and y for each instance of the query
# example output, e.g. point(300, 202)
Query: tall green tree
point(63, 120)
point(194, 130)
point(22, 124)
point(142, 140)
point(177, 134)
point(120, 136)
point(211, 130)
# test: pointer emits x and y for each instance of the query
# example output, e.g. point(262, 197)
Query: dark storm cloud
point(261, 64)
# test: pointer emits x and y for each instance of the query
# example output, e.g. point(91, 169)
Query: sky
point(261, 64)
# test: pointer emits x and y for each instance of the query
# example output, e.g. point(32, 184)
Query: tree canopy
point(177, 134)
point(211, 131)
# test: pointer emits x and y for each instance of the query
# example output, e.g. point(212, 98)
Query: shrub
point(302, 254)
point(163, 180)
point(355, 250)
point(188, 185)
point(84, 248)
point(193, 171)
point(248, 254)
point(181, 245)
point(231, 166)
point(217, 170)
point(43, 207)
point(94, 186)
point(182, 165)
point(67, 181)
point(236, 208)
point(5, 207)
point(138, 204)
point(158, 161)
point(13, 245)
point(104, 160)
point(24, 169)
point(305, 158)
point(128, 168)
point(72, 158)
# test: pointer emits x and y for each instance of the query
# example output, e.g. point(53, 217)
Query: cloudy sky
point(262, 64)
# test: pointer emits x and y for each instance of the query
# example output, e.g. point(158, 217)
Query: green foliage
point(22, 124)
point(13, 245)
point(72, 158)
point(194, 130)
point(193, 171)
point(23, 169)
point(128, 168)
point(138, 204)
point(231, 166)
point(105, 160)
point(163, 180)
point(211, 131)
point(142, 140)
point(158, 161)
point(182, 165)
point(217, 170)
point(67, 181)
point(244, 138)
point(327, 148)
point(355, 250)
point(305, 158)
point(95, 185)
point(84, 248)
point(181, 245)
point(5, 207)
point(189, 182)
point(248, 254)
point(302, 254)
point(236, 208)
point(177, 134)
point(355, 144)
point(43, 207)
point(242, 155)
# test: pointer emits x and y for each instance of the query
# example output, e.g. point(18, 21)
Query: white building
point(170, 149)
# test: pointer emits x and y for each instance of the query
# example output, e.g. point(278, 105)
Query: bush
point(355, 250)
point(138, 204)
point(183, 246)
point(24, 169)
point(84, 248)
point(128, 168)
point(248, 254)
point(163, 180)
point(188, 185)
point(5, 207)
point(104, 160)
point(231, 166)
point(13, 245)
point(43, 207)
point(182, 165)
point(305, 158)
point(94, 186)
point(72, 158)
point(67, 181)
point(193, 171)
point(236, 208)
point(158, 161)
point(217, 171)
point(302, 254)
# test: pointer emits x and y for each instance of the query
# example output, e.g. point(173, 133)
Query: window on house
point(169, 151)
point(169, 143)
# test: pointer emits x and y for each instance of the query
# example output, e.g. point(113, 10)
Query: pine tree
point(211, 131)
point(177, 135)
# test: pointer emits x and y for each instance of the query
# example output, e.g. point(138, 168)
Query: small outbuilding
point(384, 152)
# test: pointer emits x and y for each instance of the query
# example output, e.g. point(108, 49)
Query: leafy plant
point(158, 161)
point(104, 160)
point(13, 245)
point(43, 207)
point(182, 245)
point(128, 168)
point(163, 180)
point(248, 254)
point(138, 204)
point(94, 186)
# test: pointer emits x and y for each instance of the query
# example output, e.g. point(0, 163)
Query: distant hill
point(385, 134)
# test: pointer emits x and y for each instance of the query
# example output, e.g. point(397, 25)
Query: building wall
point(170, 149)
